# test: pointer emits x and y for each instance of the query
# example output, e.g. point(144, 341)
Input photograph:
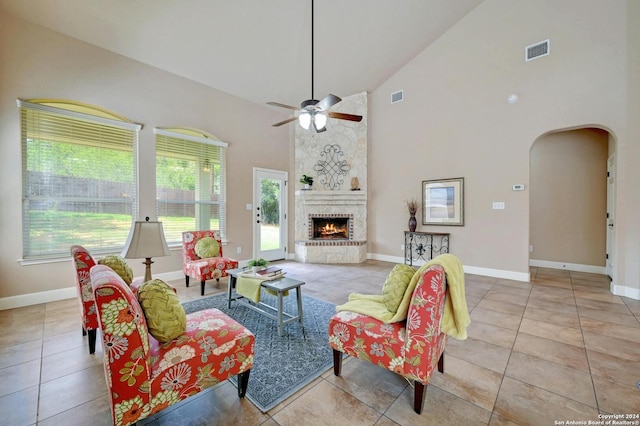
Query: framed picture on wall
point(443, 202)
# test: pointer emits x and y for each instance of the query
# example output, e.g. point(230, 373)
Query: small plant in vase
point(307, 181)
point(257, 264)
point(412, 206)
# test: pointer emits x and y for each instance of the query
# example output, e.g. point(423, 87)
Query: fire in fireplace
point(336, 228)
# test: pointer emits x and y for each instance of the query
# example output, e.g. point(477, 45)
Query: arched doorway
point(568, 200)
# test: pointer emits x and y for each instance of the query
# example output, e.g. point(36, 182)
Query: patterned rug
point(282, 365)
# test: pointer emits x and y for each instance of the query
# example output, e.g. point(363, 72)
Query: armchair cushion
point(207, 247)
point(166, 318)
point(120, 266)
point(396, 285)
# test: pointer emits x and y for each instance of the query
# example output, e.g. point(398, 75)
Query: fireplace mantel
point(312, 197)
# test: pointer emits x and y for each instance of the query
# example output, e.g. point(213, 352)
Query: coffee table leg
point(299, 297)
point(280, 319)
point(230, 284)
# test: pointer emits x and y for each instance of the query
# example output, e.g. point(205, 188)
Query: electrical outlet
point(530, 249)
point(238, 250)
point(402, 247)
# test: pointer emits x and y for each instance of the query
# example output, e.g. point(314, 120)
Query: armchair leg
point(243, 382)
point(202, 288)
point(186, 279)
point(337, 362)
point(441, 363)
point(92, 340)
point(418, 397)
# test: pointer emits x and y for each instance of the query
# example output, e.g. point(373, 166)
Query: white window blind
point(190, 183)
point(78, 180)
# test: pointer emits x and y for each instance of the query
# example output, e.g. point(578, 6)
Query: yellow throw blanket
point(456, 314)
point(248, 287)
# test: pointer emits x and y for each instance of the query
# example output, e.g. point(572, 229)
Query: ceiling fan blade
point(328, 101)
point(343, 116)
point(288, 120)
point(282, 106)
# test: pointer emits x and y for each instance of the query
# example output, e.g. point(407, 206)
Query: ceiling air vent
point(397, 96)
point(537, 50)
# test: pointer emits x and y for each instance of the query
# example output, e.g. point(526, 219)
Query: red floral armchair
point(145, 376)
point(83, 262)
point(410, 348)
point(203, 269)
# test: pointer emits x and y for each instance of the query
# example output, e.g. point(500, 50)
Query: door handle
point(610, 225)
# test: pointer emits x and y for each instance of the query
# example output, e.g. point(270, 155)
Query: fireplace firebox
point(330, 228)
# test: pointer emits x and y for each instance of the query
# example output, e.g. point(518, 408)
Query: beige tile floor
point(557, 349)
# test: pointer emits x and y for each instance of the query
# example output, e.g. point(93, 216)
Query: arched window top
point(189, 133)
point(81, 108)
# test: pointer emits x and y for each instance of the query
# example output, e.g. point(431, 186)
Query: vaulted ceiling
point(258, 50)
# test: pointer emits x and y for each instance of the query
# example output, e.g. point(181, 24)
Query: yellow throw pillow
point(120, 266)
point(166, 318)
point(396, 285)
point(207, 247)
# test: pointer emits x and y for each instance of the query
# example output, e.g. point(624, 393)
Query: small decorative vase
point(307, 186)
point(412, 223)
point(256, 269)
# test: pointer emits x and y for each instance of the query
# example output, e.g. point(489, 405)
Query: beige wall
point(455, 121)
point(37, 63)
point(568, 196)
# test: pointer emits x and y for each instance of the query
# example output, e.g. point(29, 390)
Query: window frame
point(216, 183)
point(59, 111)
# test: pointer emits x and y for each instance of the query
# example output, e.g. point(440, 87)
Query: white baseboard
point(487, 272)
point(63, 293)
point(621, 290)
point(37, 298)
point(593, 269)
point(71, 292)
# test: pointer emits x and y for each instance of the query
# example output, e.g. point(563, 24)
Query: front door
point(270, 214)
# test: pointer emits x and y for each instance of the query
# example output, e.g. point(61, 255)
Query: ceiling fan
point(313, 112)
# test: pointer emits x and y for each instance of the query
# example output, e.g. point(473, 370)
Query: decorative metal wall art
point(331, 167)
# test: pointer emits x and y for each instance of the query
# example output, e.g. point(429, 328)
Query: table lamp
point(146, 240)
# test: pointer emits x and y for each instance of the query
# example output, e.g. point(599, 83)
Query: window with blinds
point(190, 182)
point(78, 178)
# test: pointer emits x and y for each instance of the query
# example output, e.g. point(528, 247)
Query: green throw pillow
point(120, 266)
point(396, 285)
point(166, 318)
point(207, 247)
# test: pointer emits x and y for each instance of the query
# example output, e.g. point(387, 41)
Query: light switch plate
point(498, 205)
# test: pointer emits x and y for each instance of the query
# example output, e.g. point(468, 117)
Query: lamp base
point(147, 271)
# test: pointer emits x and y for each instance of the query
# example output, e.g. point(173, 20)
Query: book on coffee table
point(271, 271)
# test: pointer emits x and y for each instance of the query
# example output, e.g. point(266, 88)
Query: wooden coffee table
point(280, 287)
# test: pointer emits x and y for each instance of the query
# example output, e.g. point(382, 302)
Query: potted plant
point(257, 264)
point(412, 206)
point(307, 181)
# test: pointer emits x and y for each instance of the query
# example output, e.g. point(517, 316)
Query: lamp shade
point(146, 239)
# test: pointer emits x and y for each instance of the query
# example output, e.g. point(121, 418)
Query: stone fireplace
point(331, 218)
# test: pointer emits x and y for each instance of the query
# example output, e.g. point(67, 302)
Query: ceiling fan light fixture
point(305, 120)
point(320, 119)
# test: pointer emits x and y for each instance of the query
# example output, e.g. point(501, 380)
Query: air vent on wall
point(397, 96)
point(537, 50)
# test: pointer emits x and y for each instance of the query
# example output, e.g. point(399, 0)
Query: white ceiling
point(257, 49)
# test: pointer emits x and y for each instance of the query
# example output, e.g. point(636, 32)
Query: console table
point(424, 246)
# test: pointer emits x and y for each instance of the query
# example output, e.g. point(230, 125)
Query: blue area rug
point(282, 365)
